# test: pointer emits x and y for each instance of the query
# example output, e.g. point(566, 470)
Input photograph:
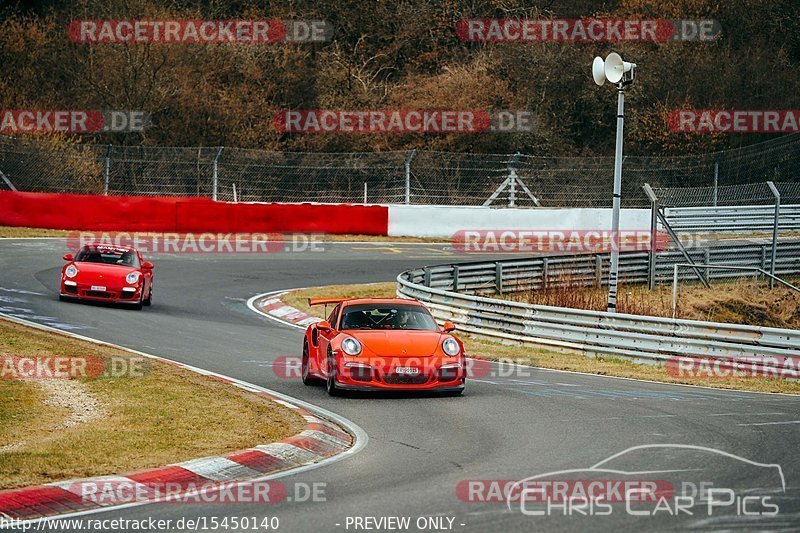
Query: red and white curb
point(270, 305)
point(327, 437)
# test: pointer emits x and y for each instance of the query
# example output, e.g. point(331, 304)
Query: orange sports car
point(382, 344)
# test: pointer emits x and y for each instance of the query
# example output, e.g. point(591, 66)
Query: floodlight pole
point(613, 274)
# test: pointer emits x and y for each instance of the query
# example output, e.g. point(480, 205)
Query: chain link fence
point(416, 177)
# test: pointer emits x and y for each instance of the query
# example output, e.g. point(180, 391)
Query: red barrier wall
point(178, 214)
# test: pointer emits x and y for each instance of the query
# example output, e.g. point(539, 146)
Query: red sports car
point(382, 344)
point(104, 273)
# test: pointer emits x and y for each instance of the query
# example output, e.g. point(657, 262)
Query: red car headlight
point(71, 271)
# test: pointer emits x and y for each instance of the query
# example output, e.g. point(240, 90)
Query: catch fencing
point(394, 177)
point(458, 293)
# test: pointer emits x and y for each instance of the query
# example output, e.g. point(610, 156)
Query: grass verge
point(165, 415)
point(483, 347)
point(21, 232)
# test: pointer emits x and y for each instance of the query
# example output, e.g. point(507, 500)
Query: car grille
point(98, 294)
point(405, 379)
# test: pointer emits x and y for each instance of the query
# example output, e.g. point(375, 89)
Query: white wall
point(444, 221)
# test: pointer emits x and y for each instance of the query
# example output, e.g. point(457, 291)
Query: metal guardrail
point(732, 219)
point(592, 269)
point(641, 338)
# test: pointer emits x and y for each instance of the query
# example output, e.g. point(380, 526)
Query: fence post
point(707, 260)
point(106, 169)
point(777, 195)
point(214, 174)
point(651, 261)
point(716, 181)
point(365, 192)
point(512, 180)
point(408, 175)
point(674, 289)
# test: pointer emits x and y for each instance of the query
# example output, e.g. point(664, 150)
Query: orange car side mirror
point(147, 265)
point(448, 327)
point(324, 326)
point(67, 257)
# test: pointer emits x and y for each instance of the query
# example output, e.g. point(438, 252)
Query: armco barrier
point(642, 338)
point(592, 269)
point(733, 219)
point(175, 214)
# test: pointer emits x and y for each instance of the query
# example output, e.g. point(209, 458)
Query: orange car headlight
point(350, 346)
point(451, 347)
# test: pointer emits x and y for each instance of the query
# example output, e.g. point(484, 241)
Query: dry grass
point(299, 299)
point(21, 232)
point(741, 301)
point(167, 415)
point(483, 347)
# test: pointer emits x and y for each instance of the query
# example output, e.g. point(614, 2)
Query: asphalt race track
point(505, 427)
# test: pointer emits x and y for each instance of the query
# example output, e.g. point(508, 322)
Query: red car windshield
point(383, 316)
point(108, 255)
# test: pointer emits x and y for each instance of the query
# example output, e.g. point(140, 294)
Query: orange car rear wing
point(325, 301)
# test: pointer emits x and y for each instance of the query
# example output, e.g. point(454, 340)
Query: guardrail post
point(707, 260)
point(598, 270)
point(427, 281)
point(763, 257)
point(498, 277)
point(408, 175)
point(107, 169)
point(214, 167)
point(455, 278)
point(777, 196)
point(545, 271)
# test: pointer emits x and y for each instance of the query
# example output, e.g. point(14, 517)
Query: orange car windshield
point(398, 316)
